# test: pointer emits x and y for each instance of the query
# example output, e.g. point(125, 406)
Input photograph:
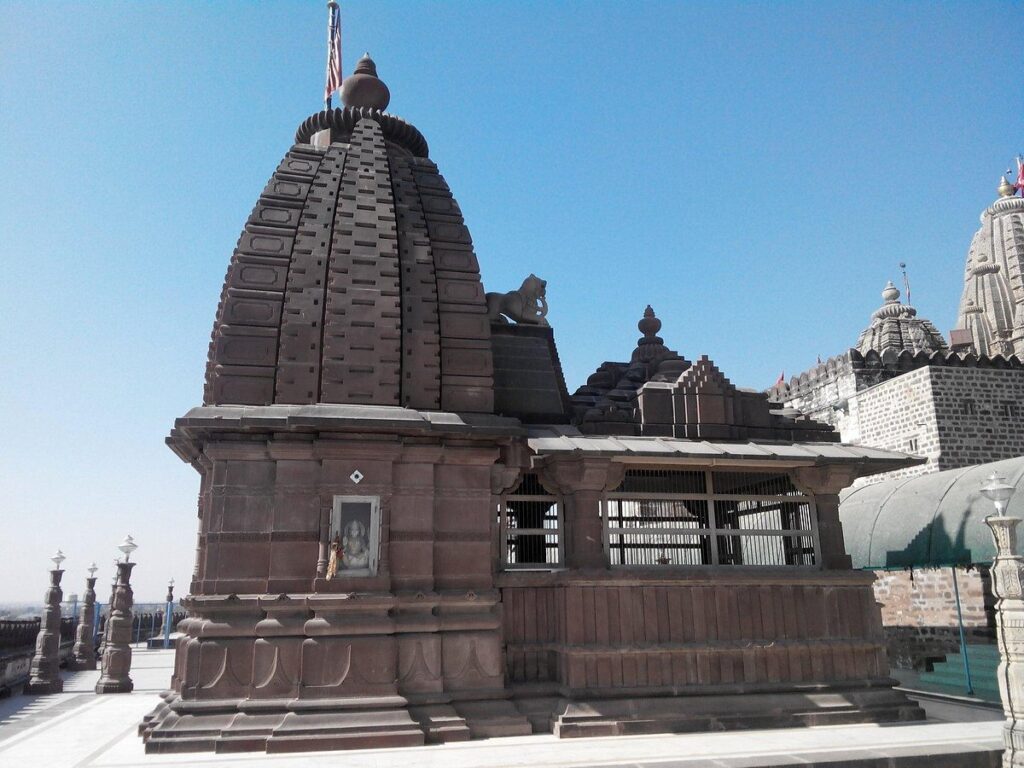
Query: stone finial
point(650, 324)
point(363, 88)
point(890, 293)
point(1005, 188)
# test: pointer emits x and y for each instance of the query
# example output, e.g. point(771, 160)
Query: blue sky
point(754, 171)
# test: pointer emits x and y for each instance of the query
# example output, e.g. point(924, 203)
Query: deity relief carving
point(527, 306)
point(354, 531)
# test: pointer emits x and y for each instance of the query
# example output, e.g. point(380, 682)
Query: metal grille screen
point(669, 517)
point(531, 526)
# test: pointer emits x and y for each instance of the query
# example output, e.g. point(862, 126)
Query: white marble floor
point(77, 729)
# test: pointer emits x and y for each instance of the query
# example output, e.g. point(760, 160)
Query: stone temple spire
point(992, 303)
point(895, 326)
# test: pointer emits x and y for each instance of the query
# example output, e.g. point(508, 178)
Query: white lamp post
point(1008, 587)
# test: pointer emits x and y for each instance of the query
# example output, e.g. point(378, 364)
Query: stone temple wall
point(956, 417)
point(818, 402)
point(978, 414)
point(898, 415)
point(919, 612)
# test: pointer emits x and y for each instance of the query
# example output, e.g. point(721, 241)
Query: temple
point(410, 532)
point(958, 406)
point(991, 316)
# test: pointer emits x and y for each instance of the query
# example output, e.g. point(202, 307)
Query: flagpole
point(332, 9)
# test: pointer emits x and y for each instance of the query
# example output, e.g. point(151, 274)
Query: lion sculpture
point(528, 305)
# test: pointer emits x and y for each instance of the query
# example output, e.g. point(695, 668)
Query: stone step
point(950, 673)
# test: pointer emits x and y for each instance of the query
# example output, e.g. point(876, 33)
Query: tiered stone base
point(298, 726)
point(177, 726)
point(688, 713)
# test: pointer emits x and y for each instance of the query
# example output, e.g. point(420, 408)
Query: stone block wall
point(979, 415)
point(919, 612)
point(740, 629)
point(955, 417)
point(899, 415)
point(835, 384)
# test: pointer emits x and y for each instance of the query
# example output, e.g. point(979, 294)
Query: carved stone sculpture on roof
point(528, 305)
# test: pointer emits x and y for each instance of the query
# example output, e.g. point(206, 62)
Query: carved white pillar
point(1007, 581)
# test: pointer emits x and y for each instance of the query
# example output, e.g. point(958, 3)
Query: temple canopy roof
point(896, 326)
point(567, 440)
point(929, 520)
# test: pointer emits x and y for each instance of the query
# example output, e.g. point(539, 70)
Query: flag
point(782, 379)
point(1020, 175)
point(333, 52)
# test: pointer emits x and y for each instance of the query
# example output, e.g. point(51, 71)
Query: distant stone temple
point(991, 318)
point(410, 532)
point(957, 404)
point(903, 388)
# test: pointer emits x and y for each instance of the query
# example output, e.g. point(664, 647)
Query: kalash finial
point(363, 88)
point(890, 293)
point(1006, 189)
point(649, 326)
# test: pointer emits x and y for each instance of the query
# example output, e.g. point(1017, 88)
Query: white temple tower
point(991, 316)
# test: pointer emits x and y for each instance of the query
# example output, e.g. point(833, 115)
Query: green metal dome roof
point(928, 520)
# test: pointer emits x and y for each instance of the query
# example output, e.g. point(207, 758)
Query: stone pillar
point(84, 653)
point(581, 483)
point(825, 483)
point(106, 624)
point(117, 649)
point(1008, 587)
point(45, 674)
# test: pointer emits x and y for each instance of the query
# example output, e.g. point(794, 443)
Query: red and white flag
point(333, 52)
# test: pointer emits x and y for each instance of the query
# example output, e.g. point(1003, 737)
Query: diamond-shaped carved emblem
point(356, 477)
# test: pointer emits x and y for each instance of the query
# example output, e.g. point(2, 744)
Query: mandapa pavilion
point(410, 532)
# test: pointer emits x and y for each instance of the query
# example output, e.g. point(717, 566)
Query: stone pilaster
point(117, 650)
point(45, 674)
point(1007, 582)
point(84, 653)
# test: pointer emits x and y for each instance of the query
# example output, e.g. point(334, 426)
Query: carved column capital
point(503, 478)
point(825, 479)
point(570, 474)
